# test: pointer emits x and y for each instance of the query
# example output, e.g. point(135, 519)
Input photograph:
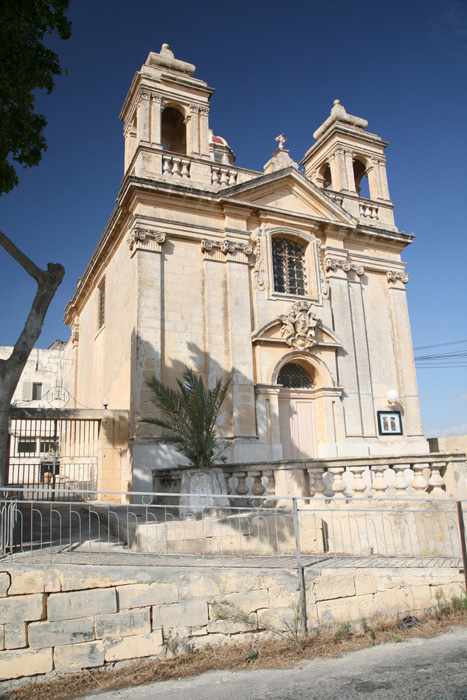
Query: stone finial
point(338, 114)
point(166, 59)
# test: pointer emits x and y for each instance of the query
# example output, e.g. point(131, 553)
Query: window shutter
point(27, 391)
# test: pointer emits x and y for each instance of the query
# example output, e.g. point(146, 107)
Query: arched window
point(289, 266)
point(294, 376)
point(173, 130)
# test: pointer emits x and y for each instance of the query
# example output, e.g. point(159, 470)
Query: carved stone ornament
point(394, 277)
point(75, 334)
point(226, 247)
point(145, 239)
point(345, 265)
point(299, 326)
point(258, 272)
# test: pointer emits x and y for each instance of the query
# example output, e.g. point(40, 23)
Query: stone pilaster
point(236, 328)
point(156, 111)
point(348, 378)
point(349, 171)
point(403, 352)
point(204, 130)
point(146, 251)
point(193, 146)
point(216, 314)
point(267, 418)
point(362, 355)
point(143, 124)
point(373, 179)
point(383, 179)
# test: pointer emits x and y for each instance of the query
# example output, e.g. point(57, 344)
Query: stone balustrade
point(223, 176)
point(428, 476)
point(369, 211)
point(175, 165)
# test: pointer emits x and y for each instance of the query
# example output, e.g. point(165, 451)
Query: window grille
point(101, 305)
point(289, 266)
point(293, 376)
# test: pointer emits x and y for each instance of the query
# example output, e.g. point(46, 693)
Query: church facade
point(286, 279)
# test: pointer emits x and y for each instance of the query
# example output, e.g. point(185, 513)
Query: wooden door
point(297, 424)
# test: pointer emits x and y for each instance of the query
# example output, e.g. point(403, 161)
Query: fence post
point(301, 573)
point(460, 517)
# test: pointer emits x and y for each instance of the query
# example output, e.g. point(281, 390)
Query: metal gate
point(48, 454)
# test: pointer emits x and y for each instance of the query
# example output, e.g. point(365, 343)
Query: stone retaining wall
point(82, 617)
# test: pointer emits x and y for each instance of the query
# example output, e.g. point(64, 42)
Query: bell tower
point(166, 120)
point(342, 157)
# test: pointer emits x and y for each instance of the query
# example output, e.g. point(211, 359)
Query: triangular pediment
point(289, 191)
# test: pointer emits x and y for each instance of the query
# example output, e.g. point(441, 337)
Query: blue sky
point(276, 68)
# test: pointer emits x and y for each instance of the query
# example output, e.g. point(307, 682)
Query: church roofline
point(131, 184)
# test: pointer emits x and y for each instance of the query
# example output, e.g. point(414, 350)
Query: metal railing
point(53, 458)
point(287, 532)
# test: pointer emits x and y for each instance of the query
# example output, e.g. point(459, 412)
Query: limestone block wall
point(82, 617)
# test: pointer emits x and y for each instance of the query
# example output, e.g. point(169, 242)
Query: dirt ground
point(281, 651)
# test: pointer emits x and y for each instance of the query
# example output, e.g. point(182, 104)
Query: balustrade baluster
point(224, 177)
point(271, 485)
point(400, 482)
point(167, 165)
point(358, 485)
point(176, 162)
point(185, 166)
point(419, 482)
point(317, 485)
point(242, 488)
point(379, 483)
point(436, 481)
point(338, 485)
point(258, 488)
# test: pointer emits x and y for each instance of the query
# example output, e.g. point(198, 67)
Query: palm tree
point(190, 415)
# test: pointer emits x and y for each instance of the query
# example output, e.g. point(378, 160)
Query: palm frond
point(189, 416)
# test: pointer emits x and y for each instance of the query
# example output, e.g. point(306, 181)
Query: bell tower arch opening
point(362, 186)
point(173, 130)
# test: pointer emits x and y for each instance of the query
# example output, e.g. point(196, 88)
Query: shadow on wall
point(147, 451)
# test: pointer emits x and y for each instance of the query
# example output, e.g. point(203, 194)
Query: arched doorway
point(297, 419)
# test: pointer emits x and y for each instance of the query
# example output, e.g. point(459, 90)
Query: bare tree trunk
point(11, 369)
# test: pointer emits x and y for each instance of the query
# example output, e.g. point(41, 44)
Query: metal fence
point(287, 532)
point(53, 458)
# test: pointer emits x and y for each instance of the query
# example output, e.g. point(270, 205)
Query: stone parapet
point(432, 475)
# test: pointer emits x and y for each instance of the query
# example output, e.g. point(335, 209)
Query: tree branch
point(30, 267)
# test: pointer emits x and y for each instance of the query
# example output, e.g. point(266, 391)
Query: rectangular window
point(36, 392)
point(101, 305)
point(47, 446)
point(26, 447)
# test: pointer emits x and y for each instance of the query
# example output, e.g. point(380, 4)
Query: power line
point(438, 345)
